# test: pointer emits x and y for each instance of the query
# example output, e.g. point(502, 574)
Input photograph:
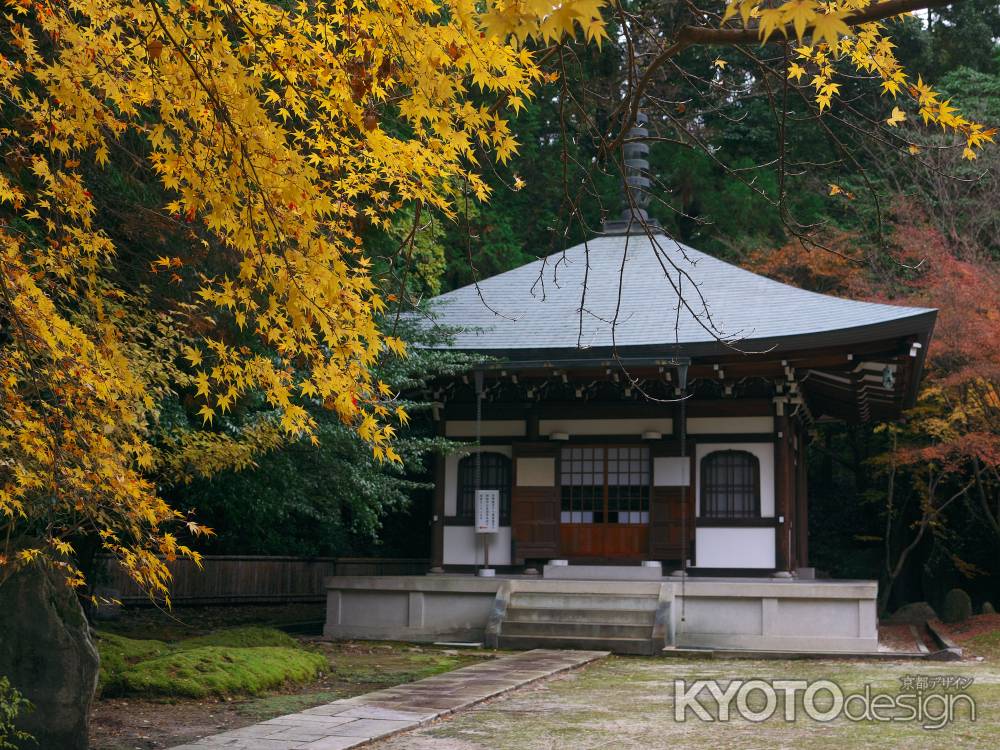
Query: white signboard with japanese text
point(487, 511)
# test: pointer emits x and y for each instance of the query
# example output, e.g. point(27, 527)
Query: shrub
point(221, 670)
point(12, 703)
point(957, 606)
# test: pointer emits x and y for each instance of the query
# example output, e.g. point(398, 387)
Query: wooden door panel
point(535, 522)
point(611, 540)
point(666, 522)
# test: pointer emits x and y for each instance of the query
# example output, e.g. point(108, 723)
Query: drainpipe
point(682, 377)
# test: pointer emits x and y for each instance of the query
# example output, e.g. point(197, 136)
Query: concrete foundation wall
point(826, 616)
point(409, 608)
point(754, 614)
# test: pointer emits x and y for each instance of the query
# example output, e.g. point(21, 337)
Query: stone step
point(560, 600)
point(569, 628)
point(636, 646)
point(603, 572)
point(600, 616)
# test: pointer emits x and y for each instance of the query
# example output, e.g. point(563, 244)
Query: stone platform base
point(763, 614)
point(603, 572)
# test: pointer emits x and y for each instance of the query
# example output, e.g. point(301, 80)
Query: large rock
point(957, 606)
point(915, 613)
point(47, 653)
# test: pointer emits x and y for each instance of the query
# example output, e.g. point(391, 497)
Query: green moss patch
point(221, 671)
point(243, 660)
point(244, 637)
point(119, 653)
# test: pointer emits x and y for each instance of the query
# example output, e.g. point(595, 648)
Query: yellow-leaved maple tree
point(264, 124)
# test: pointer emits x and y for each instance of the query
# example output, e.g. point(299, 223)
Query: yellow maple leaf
point(800, 13)
point(830, 27)
point(897, 117)
point(796, 71)
point(192, 355)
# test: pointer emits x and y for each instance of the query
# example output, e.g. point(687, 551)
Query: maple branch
point(690, 36)
point(706, 35)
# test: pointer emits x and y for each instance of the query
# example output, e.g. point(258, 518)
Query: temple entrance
point(604, 493)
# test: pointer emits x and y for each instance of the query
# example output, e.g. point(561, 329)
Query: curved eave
point(919, 326)
point(848, 403)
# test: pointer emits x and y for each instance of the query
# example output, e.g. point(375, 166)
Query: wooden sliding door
point(604, 501)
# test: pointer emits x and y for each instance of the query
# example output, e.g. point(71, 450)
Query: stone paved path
point(359, 720)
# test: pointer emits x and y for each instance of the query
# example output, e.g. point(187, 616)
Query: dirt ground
point(976, 625)
point(355, 667)
point(619, 703)
point(625, 703)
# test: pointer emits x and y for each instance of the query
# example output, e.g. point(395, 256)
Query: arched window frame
point(496, 473)
point(735, 496)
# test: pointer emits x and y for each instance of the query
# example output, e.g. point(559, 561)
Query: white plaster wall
point(671, 471)
point(729, 425)
point(764, 453)
point(605, 426)
point(535, 472)
point(735, 548)
point(488, 428)
point(451, 474)
point(463, 546)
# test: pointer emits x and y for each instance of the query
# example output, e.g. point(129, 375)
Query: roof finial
point(636, 188)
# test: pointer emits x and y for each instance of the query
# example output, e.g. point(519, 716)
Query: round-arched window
point(495, 474)
point(730, 485)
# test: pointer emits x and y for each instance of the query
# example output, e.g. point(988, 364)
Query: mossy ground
point(118, 653)
point(233, 661)
point(221, 671)
point(247, 636)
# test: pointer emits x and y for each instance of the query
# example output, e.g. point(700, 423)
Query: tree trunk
point(47, 653)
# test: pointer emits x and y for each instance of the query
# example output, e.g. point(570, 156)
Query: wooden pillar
point(783, 470)
point(802, 498)
point(437, 517)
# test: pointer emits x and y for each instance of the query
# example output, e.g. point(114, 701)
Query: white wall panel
point(672, 471)
point(463, 546)
point(535, 472)
point(735, 548)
